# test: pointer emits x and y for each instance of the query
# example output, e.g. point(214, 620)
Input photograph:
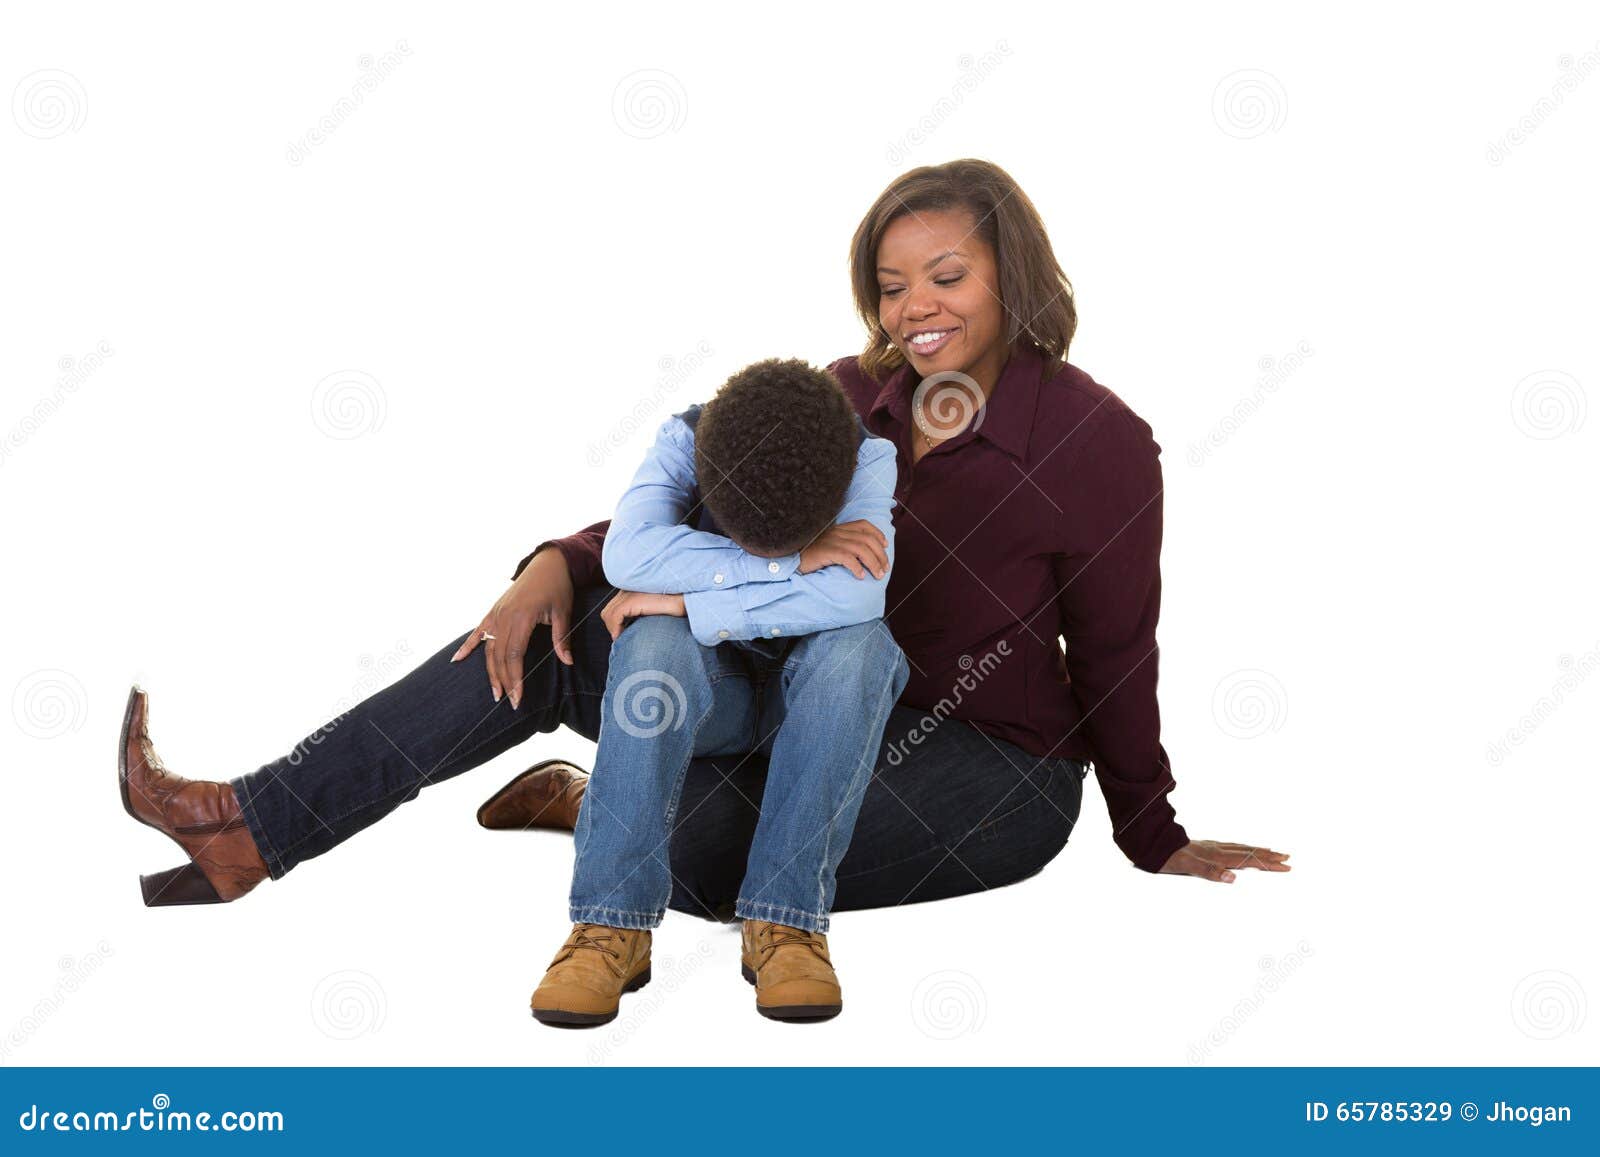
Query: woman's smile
point(924, 342)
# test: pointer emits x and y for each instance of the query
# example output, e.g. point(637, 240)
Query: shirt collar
point(1006, 420)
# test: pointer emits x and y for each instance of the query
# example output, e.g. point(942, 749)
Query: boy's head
point(774, 452)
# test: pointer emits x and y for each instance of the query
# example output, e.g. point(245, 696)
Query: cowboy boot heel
point(185, 884)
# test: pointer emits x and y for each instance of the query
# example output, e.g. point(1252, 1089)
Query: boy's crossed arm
point(650, 548)
point(666, 567)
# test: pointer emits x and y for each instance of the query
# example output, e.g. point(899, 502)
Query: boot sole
point(795, 1013)
point(564, 1018)
point(185, 884)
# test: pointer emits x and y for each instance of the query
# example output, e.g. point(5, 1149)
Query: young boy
point(740, 625)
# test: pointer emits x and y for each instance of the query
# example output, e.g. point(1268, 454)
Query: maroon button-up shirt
point(1040, 521)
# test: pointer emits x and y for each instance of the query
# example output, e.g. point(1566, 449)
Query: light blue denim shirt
point(728, 593)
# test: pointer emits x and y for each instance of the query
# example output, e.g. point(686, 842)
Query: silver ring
point(485, 637)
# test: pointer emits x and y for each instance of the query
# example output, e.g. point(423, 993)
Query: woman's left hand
point(1212, 860)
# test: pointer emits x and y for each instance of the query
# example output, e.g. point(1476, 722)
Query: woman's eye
point(951, 280)
point(893, 291)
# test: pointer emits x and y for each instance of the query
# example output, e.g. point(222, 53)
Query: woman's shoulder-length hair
point(1033, 289)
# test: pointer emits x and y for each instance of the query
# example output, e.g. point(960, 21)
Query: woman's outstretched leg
point(439, 720)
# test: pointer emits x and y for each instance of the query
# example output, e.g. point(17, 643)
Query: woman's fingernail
point(497, 694)
point(1227, 877)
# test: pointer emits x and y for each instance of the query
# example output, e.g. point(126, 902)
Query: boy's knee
point(656, 643)
point(866, 651)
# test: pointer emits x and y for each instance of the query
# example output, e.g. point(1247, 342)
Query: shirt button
point(774, 630)
point(722, 634)
point(716, 578)
point(773, 567)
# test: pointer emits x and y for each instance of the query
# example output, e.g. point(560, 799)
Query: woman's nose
point(920, 304)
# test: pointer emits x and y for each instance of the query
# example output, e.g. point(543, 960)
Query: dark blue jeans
point(948, 810)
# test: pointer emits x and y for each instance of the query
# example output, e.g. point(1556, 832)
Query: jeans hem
point(252, 823)
point(780, 914)
point(614, 917)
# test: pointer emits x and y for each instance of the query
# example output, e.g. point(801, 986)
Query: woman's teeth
point(930, 341)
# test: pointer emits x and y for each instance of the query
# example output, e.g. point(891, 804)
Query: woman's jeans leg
point(436, 722)
point(817, 709)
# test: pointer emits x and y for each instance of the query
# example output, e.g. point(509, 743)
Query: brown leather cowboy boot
point(587, 978)
point(791, 970)
point(547, 795)
point(200, 816)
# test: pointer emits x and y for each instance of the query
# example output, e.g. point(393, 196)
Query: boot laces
point(783, 934)
point(596, 938)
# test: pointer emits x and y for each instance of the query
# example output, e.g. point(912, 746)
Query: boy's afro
point(774, 454)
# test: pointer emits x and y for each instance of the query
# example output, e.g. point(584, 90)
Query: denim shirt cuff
point(716, 616)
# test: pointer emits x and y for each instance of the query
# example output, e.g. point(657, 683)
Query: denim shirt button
point(716, 578)
point(773, 567)
point(774, 632)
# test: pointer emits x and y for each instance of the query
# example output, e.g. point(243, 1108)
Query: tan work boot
point(790, 968)
point(587, 978)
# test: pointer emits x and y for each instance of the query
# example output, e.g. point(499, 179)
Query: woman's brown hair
point(1033, 290)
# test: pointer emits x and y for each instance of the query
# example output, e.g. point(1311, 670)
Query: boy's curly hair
point(774, 453)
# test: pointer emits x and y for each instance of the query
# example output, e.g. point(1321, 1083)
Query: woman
point(1029, 509)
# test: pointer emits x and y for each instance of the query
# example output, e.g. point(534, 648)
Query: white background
point(1376, 568)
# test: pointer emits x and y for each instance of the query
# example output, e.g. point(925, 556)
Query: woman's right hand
point(541, 594)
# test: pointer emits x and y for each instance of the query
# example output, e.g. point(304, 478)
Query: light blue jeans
point(815, 706)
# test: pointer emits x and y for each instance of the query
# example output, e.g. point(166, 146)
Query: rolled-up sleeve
point(581, 551)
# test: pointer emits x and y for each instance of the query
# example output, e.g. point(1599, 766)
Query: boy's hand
point(626, 605)
point(858, 545)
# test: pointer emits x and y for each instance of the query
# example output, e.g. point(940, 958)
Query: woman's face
point(939, 297)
